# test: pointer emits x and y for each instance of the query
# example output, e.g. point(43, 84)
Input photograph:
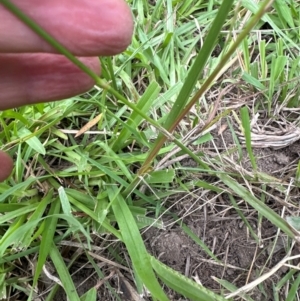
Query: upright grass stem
point(208, 82)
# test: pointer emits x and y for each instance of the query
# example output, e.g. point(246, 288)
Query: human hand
point(31, 72)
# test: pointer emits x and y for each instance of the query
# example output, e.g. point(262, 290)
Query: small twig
point(101, 258)
point(101, 281)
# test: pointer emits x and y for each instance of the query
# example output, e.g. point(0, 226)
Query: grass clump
point(192, 72)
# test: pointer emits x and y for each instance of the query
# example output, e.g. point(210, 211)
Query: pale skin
point(30, 69)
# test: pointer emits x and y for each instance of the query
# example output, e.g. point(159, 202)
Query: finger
point(32, 78)
point(85, 27)
point(6, 166)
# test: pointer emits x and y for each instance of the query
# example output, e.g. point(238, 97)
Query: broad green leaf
point(161, 176)
point(65, 204)
point(253, 81)
point(294, 221)
point(33, 142)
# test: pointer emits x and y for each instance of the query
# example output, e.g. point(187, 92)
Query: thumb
point(6, 166)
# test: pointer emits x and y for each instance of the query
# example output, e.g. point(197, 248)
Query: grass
point(193, 70)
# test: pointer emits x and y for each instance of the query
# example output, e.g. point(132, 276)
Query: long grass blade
point(182, 284)
point(262, 208)
point(64, 275)
point(47, 239)
point(135, 245)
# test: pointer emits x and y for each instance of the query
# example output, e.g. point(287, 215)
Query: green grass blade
point(29, 251)
point(13, 233)
point(92, 215)
point(254, 7)
point(232, 288)
point(13, 214)
point(182, 284)
point(33, 142)
point(134, 244)
point(47, 239)
point(101, 276)
point(13, 238)
point(135, 119)
point(262, 208)
point(85, 199)
point(90, 295)
point(244, 219)
point(284, 13)
point(63, 273)
point(65, 204)
point(16, 189)
point(173, 120)
point(200, 62)
point(194, 237)
point(247, 133)
point(113, 157)
point(294, 290)
point(161, 176)
point(36, 216)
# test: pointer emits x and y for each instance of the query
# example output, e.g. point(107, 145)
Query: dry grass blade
point(262, 278)
point(89, 125)
point(277, 136)
point(274, 141)
point(103, 259)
